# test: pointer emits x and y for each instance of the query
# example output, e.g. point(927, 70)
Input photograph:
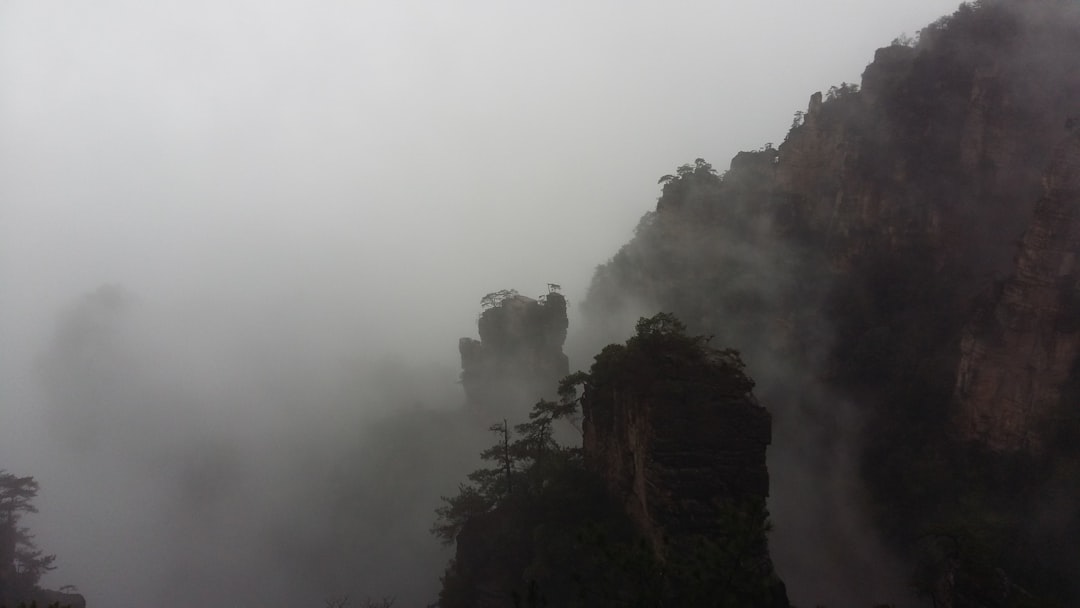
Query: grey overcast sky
point(340, 180)
point(357, 165)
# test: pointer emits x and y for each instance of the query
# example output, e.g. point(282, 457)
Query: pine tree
point(21, 563)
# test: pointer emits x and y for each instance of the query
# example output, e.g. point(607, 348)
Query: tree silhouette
point(21, 562)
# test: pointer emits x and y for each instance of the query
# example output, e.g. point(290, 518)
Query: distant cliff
point(519, 356)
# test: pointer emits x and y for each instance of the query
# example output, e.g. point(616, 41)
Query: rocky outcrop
point(519, 356)
point(673, 454)
point(673, 428)
point(1018, 356)
point(680, 449)
point(945, 143)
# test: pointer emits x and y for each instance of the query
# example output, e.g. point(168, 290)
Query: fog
point(239, 241)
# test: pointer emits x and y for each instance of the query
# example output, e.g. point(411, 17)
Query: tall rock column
point(673, 428)
point(518, 358)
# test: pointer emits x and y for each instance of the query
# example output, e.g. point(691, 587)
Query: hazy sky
point(347, 179)
point(343, 160)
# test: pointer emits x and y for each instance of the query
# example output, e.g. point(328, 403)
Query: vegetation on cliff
point(547, 521)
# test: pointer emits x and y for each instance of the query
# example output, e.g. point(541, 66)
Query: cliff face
point(673, 455)
point(909, 249)
point(938, 162)
point(680, 449)
point(674, 430)
point(890, 209)
point(1018, 356)
point(519, 356)
point(946, 141)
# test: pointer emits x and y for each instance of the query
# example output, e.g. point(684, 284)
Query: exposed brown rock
point(1016, 359)
point(944, 153)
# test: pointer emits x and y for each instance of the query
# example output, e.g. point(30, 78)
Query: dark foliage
point(21, 563)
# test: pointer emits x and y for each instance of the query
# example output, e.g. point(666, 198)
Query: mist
point(239, 242)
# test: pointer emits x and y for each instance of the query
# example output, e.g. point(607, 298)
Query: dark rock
point(673, 428)
point(519, 356)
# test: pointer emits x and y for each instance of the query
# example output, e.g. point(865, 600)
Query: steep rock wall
point(1019, 354)
point(885, 218)
point(683, 445)
point(876, 265)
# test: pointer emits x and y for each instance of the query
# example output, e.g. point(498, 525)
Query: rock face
point(673, 455)
point(519, 356)
point(680, 448)
point(673, 428)
point(908, 252)
point(896, 208)
point(939, 161)
point(1018, 356)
